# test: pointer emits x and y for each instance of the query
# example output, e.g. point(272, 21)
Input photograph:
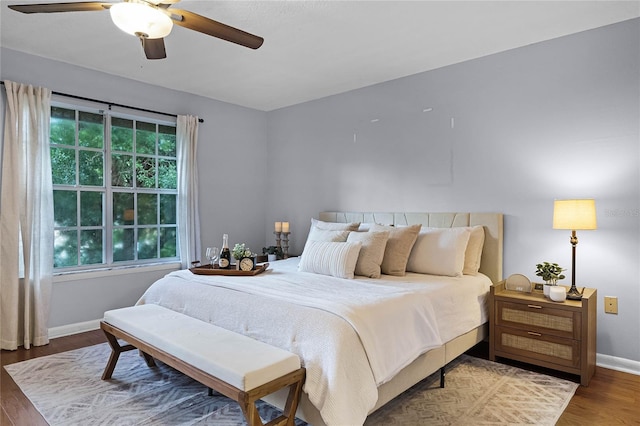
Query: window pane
point(121, 134)
point(147, 209)
point(62, 126)
point(141, 160)
point(145, 172)
point(65, 208)
point(168, 209)
point(167, 141)
point(123, 213)
point(167, 174)
point(145, 138)
point(91, 208)
point(123, 245)
point(91, 168)
point(91, 130)
point(91, 247)
point(168, 242)
point(148, 243)
point(63, 166)
point(122, 170)
point(65, 249)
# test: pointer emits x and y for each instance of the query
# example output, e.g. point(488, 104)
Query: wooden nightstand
point(530, 328)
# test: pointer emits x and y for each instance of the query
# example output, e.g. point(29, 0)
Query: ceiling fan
point(150, 21)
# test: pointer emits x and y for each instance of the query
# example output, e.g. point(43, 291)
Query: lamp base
point(574, 294)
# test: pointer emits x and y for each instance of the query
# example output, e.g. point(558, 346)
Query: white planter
point(557, 293)
point(272, 257)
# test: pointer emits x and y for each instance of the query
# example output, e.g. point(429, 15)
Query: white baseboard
point(69, 329)
point(605, 361)
point(618, 364)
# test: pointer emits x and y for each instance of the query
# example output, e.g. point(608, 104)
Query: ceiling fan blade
point(83, 6)
point(199, 23)
point(153, 48)
point(164, 3)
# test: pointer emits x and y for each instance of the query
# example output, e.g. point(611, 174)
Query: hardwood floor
point(612, 398)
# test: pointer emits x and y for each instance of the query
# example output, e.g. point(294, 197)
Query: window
point(114, 189)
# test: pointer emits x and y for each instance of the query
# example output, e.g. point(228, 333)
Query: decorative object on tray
point(550, 273)
point(245, 259)
point(216, 270)
point(225, 253)
point(273, 253)
point(573, 215)
point(212, 254)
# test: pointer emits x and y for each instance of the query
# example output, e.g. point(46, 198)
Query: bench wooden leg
point(247, 401)
point(116, 350)
point(295, 390)
point(148, 359)
point(251, 413)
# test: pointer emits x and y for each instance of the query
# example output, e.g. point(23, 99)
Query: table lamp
point(574, 215)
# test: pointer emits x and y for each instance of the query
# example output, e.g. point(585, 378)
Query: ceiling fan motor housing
point(141, 19)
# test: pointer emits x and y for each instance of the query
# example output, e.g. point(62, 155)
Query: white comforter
point(352, 335)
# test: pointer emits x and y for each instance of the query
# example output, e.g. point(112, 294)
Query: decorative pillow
point(328, 258)
point(316, 234)
point(398, 248)
point(473, 254)
point(335, 226)
point(364, 227)
point(371, 253)
point(439, 251)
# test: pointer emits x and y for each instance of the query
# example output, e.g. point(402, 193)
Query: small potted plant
point(550, 273)
point(272, 252)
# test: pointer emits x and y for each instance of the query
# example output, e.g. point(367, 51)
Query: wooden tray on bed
point(215, 270)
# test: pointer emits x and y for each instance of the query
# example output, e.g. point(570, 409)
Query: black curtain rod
point(110, 104)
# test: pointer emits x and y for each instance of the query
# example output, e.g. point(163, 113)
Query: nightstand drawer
point(537, 317)
point(538, 346)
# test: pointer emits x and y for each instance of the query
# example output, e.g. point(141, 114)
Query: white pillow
point(439, 251)
point(473, 254)
point(316, 234)
point(335, 226)
point(371, 253)
point(328, 258)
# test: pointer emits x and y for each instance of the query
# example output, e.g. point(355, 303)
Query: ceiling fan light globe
point(138, 18)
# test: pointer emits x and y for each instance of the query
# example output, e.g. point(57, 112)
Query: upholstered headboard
point(491, 262)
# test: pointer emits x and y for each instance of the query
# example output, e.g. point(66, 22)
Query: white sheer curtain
point(188, 216)
point(26, 218)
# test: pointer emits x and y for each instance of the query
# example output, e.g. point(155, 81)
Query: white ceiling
point(312, 49)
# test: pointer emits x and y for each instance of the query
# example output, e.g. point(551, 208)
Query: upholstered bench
point(237, 366)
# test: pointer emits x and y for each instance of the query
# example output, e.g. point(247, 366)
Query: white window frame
point(107, 189)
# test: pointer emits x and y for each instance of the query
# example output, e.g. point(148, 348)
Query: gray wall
point(552, 120)
point(232, 141)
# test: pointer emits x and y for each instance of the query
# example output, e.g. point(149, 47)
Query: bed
point(363, 340)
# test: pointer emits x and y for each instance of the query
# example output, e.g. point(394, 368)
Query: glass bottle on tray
point(225, 253)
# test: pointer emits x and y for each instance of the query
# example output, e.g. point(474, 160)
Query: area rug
point(66, 389)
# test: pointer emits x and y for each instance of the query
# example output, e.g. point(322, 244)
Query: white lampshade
point(574, 214)
point(141, 19)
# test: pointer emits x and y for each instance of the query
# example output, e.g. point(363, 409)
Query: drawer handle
point(531, 333)
point(534, 306)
